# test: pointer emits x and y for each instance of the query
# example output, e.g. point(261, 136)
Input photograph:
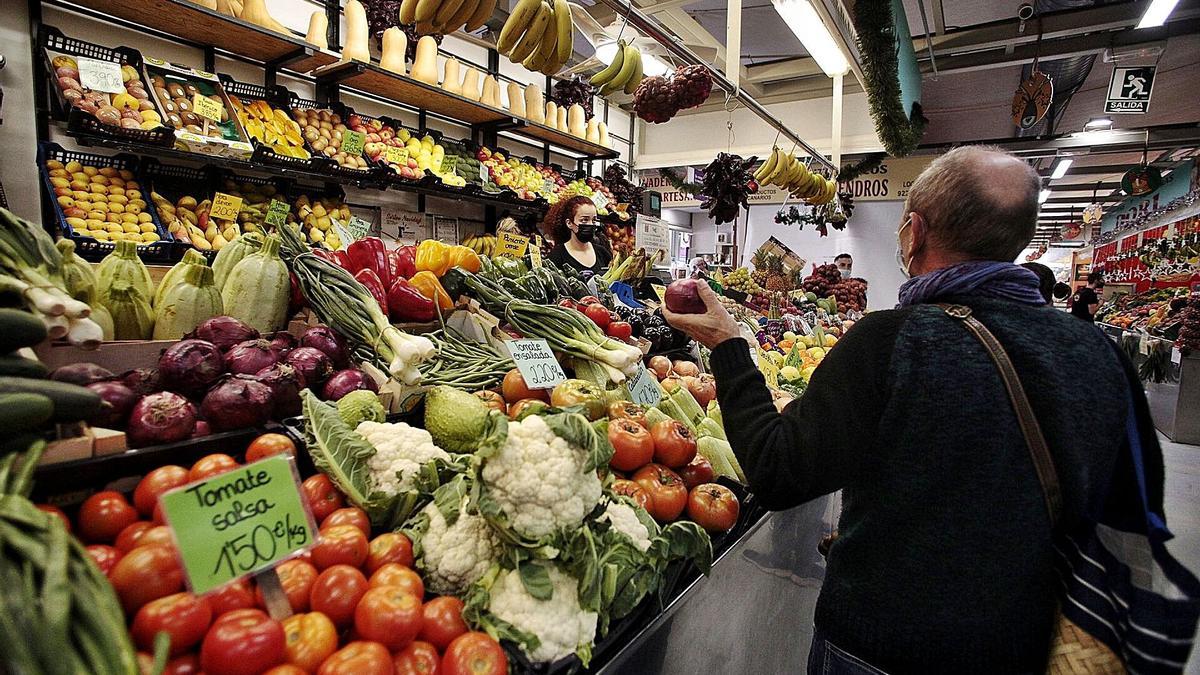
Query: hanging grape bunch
point(658, 99)
point(623, 190)
point(575, 90)
point(726, 187)
point(1189, 330)
point(382, 15)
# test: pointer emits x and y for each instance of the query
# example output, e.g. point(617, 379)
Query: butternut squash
point(470, 83)
point(318, 30)
point(451, 77)
point(576, 120)
point(562, 121)
point(491, 92)
point(355, 47)
point(551, 114)
point(425, 64)
point(516, 99)
point(210, 4)
point(255, 11)
point(602, 129)
point(395, 43)
point(237, 7)
point(225, 7)
point(535, 110)
point(592, 134)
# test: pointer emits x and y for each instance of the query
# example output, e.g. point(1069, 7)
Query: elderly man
point(945, 559)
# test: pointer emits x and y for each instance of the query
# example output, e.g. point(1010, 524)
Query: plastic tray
point(173, 182)
point(279, 98)
point(370, 174)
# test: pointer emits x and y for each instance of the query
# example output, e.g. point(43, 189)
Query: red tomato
point(667, 493)
point(104, 515)
point(159, 518)
point(269, 444)
point(350, 515)
point(323, 496)
point(492, 400)
point(183, 616)
point(526, 407)
point(340, 545)
point(233, 595)
point(286, 669)
point(310, 639)
point(129, 537)
point(633, 446)
point(358, 658)
point(242, 642)
point(632, 490)
point(146, 573)
point(55, 511)
point(158, 481)
point(159, 534)
point(211, 465)
point(392, 574)
point(389, 547)
point(336, 593)
point(418, 658)
point(515, 389)
point(443, 621)
point(698, 471)
point(621, 330)
point(628, 410)
point(188, 664)
point(389, 615)
point(598, 313)
point(714, 507)
point(297, 578)
point(474, 654)
point(674, 443)
point(104, 556)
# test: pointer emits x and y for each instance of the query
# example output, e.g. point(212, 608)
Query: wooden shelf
point(564, 140)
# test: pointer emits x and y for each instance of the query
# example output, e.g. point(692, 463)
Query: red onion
point(224, 332)
point(285, 383)
point(201, 429)
point(117, 400)
point(683, 297)
point(329, 342)
point(251, 356)
point(81, 374)
point(311, 363)
point(142, 381)
point(159, 418)
point(190, 366)
point(282, 342)
point(237, 402)
point(345, 381)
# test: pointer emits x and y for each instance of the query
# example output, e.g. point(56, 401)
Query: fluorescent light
point(1098, 123)
point(1043, 196)
point(804, 21)
point(1061, 168)
point(651, 65)
point(1157, 13)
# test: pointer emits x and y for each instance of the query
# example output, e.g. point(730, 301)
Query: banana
point(482, 13)
point(426, 10)
point(445, 11)
point(789, 174)
point(408, 12)
point(628, 64)
point(767, 167)
point(533, 34)
point(604, 76)
point(782, 170)
point(562, 19)
point(635, 79)
point(801, 187)
point(545, 53)
point(517, 22)
point(459, 18)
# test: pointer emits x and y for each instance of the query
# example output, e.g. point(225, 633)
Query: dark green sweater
point(944, 563)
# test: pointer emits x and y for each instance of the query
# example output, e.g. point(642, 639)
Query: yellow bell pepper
point(433, 256)
point(426, 282)
point(461, 256)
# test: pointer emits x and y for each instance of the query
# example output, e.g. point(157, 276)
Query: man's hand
point(709, 329)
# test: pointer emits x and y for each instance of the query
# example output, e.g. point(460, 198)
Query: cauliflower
point(559, 623)
point(624, 520)
point(540, 480)
point(400, 452)
point(455, 556)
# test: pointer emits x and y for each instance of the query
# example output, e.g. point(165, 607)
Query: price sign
point(277, 213)
point(99, 75)
point(651, 234)
point(449, 164)
point(536, 363)
point(357, 228)
point(1176, 356)
point(599, 200)
point(207, 108)
point(484, 175)
point(643, 388)
point(511, 245)
point(659, 290)
point(769, 371)
point(535, 252)
point(238, 523)
point(397, 156)
point(352, 142)
point(225, 207)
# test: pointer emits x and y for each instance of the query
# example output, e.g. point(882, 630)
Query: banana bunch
point(784, 170)
point(483, 244)
point(446, 16)
point(537, 35)
point(624, 73)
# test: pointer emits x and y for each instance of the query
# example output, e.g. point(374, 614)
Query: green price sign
point(352, 142)
point(449, 163)
point(239, 523)
point(277, 213)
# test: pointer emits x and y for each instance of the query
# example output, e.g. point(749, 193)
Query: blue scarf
point(976, 278)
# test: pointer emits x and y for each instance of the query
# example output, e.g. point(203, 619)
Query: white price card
point(643, 388)
point(1176, 355)
point(536, 362)
point(99, 75)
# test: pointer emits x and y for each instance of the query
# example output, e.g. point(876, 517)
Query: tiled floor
point(1181, 499)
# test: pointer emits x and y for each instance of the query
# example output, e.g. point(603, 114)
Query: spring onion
point(463, 363)
point(573, 333)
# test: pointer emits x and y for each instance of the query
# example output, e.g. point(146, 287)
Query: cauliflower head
point(455, 556)
point(539, 480)
point(400, 452)
point(624, 520)
point(559, 623)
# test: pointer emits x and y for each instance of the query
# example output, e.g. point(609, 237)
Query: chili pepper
point(370, 279)
point(407, 303)
point(461, 256)
point(402, 262)
point(433, 256)
point(429, 286)
point(369, 253)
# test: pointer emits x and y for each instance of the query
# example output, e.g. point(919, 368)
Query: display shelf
point(562, 139)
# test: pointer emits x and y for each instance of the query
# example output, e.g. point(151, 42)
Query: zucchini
point(18, 443)
point(18, 329)
point(19, 366)
point(21, 412)
point(71, 402)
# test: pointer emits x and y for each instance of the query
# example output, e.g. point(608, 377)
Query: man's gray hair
point(979, 202)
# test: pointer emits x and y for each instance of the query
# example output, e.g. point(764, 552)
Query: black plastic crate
point(371, 174)
point(173, 182)
point(279, 98)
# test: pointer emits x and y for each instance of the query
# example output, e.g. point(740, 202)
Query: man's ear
point(918, 232)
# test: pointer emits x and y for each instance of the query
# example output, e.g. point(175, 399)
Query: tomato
point(492, 400)
point(146, 573)
point(188, 664)
point(667, 493)
point(183, 616)
point(714, 507)
point(349, 515)
point(589, 300)
point(358, 658)
point(323, 497)
point(159, 534)
point(286, 669)
point(233, 595)
point(310, 639)
point(661, 366)
point(297, 578)
point(340, 545)
point(418, 658)
point(579, 392)
point(598, 313)
point(628, 410)
point(242, 642)
point(514, 388)
point(674, 443)
point(57, 512)
point(159, 518)
point(443, 621)
point(474, 654)
point(389, 547)
point(698, 471)
point(269, 444)
point(336, 593)
point(104, 556)
point(389, 615)
point(104, 515)
point(211, 465)
point(620, 330)
point(632, 445)
point(128, 539)
point(158, 481)
point(392, 574)
point(632, 490)
point(526, 407)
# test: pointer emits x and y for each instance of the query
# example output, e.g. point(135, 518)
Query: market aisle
point(1181, 499)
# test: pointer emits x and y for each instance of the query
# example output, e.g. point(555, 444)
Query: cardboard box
point(118, 356)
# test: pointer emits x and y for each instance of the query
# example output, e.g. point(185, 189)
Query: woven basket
point(1075, 652)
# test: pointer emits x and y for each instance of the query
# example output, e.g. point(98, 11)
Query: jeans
point(826, 658)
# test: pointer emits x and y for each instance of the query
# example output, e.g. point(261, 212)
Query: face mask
point(845, 271)
point(900, 252)
point(585, 233)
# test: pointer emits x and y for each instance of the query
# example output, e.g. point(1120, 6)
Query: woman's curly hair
point(554, 224)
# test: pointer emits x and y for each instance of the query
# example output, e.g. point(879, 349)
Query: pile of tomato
point(358, 606)
point(609, 322)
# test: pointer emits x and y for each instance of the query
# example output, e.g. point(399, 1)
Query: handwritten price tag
point(207, 108)
point(357, 228)
point(238, 523)
point(449, 164)
point(536, 363)
point(277, 213)
point(535, 253)
point(99, 75)
point(352, 142)
point(511, 245)
point(397, 156)
point(659, 290)
point(770, 372)
point(643, 388)
point(225, 207)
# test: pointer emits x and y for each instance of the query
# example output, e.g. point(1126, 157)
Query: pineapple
point(759, 260)
point(776, 280)
point(796, 277)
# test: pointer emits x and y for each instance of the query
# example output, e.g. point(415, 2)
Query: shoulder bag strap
point(1042, 461)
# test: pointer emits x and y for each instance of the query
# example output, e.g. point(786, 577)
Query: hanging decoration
point(1032, 100)
point(728, 183)
point(865, 165)
point(899, 130)
point(679, 182)
point(1143, 178)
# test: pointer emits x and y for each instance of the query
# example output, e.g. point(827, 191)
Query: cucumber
point(19, 329)
point(21, 412)
point(18, 443)
point(19, 366)
point(71, 402)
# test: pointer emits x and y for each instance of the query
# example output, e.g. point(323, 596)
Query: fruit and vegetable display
point(421, 153)
point(270, 126)
point(131, 109)
point(317, 216)
point(1157, 311)
point(324, 131)
point(175, 91)
point(101, 201)
point(1189, 328)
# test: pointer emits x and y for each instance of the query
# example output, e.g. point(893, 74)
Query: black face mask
point(585, 233)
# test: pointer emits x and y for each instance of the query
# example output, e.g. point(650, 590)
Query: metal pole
point(837, 118)
point(733, 42)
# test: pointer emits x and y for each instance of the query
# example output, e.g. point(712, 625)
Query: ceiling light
point(800, 16)
point(1098, 123)
point(1157, 13)
point(1043, 196)
point(1061, 168)
point(651, 65)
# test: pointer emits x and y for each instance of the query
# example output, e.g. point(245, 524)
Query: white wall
point(18, 160)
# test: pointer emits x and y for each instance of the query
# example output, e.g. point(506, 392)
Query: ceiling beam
point(1116, 185)
point(1096, 170)
point(1162, 137)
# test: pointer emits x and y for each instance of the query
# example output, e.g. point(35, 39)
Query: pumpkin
point(355, 48)
point(425, 64)
point(395, 42)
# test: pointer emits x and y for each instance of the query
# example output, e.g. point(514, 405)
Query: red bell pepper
point(402, 262)
point(371, 280)
point(343, 260)
point(296, 300)
point(369, 253)
point(406, 303)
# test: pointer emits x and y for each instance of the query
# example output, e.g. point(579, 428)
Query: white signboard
point(408, 226)
point(445, 229)
point(536, 362)
point(1129, 90)
point(652, 234)
point(99, 75)
point(643, 388)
